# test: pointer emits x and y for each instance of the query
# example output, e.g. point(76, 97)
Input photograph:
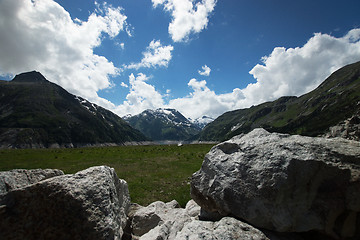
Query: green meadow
point(160, 172)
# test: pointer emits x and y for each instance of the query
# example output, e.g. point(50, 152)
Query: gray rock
point(18, 178)
point(226, 229)
point(349, 129)
point(161, 219)
point(283, 183)
point(147, 218)
point(172, 223)
point(192, 208)
point(91, 204)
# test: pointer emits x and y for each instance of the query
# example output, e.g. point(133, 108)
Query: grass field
point(160, 172)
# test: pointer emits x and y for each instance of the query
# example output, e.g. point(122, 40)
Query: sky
point(201, 57)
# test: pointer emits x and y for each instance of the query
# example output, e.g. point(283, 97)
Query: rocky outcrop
point(283, 183)
point(91, 204)
point(349, 129)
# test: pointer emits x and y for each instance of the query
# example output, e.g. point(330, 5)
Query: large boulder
point(283, 183)
point(18, 178)
point(91, 204)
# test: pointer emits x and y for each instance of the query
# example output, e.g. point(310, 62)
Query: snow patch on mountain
point(202, 121)
point(163, 124)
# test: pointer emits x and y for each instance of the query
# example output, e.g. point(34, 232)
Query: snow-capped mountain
point(163, 124)
point(202, 121)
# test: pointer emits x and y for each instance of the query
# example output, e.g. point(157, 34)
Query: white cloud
point(295, 71)
point(205, 71)
point(124, 85)
point(187, 17)
point(203, 101)
point(142, 96)
point(121, 45)
point(156, 55)
point(40, 35)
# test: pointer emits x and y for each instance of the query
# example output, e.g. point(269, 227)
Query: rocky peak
point(201, 122)
point(30, 77)
point(163, 124)
point(167, 114)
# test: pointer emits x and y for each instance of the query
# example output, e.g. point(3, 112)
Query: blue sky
point(201, 57)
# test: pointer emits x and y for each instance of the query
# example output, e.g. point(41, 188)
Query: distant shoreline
point(86, 145)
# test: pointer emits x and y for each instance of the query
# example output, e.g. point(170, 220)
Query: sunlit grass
point(153, 173)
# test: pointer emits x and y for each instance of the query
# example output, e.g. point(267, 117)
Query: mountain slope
point(163, 124)
point(336, 99)
point(37, 113)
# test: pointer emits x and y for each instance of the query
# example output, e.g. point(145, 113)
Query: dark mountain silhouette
point(37, 113)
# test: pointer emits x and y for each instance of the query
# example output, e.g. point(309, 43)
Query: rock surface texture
point(227, 228)
point(91, 204)
point(167, 221)
point(19, 178)
point(283, 183)
point(349, 129)
point(162, 220)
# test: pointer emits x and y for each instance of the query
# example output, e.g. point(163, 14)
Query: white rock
point(177, 223)
point(161, 219)
point(226, 229)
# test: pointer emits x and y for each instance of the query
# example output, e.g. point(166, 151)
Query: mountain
point(202, 121)
point(37, 113)
point(335, 100)
point(163, 124)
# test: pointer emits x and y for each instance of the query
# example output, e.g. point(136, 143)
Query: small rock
point(226, 229)
point(156, 216)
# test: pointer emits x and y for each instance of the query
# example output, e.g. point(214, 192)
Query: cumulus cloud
point(295, 71)
point(156, 55)
point(142, 96)
point(205, 71)
point(187, 17)
point(40, 35)
point(205, 101)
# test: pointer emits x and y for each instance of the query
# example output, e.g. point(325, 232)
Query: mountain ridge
point(35, 112)
point(163, 124)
